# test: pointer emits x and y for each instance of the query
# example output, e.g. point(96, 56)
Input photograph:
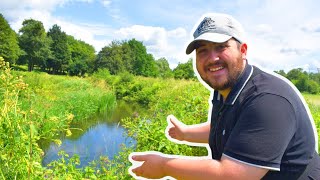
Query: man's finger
point(174, 120)
point(138, 171)
point(139, 157)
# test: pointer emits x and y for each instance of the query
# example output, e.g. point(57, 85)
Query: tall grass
point(37, 106)
point(19, 151)
point(56, 95)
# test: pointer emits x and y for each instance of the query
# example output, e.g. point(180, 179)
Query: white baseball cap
point(217, 28)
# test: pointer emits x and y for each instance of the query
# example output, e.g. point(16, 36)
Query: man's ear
point(243, 50)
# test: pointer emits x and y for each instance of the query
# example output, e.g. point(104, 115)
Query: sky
point(280, 34)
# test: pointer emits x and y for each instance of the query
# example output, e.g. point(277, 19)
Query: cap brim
point(212, 37)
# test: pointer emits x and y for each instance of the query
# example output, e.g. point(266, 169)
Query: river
point(100, 136)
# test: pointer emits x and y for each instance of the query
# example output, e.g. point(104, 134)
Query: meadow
point(312, 98)
point(38, 106)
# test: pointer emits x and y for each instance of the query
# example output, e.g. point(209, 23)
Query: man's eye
point(221, 47)
point(202, 50)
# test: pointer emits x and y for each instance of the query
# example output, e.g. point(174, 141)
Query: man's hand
point(152, 166)
point(177, 131)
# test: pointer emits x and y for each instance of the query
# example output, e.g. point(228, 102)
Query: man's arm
point(158, 166)
point(198, 133)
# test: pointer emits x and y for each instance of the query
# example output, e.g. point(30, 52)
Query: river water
point(100, 136)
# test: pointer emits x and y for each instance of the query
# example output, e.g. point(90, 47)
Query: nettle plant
point(19, 152)
point(21, 129)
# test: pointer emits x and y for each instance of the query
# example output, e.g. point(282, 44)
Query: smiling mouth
point(215, 69)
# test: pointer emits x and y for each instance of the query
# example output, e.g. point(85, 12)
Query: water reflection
point(100, 136)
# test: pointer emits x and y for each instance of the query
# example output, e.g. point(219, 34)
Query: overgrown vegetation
point(304, 81)
point(187, 100)
point(38, 105)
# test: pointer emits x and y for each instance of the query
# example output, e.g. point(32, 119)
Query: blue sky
point(281, 34)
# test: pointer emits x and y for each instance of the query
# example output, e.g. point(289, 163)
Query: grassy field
point(312, 99)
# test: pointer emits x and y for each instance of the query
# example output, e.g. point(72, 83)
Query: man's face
point(220, 64)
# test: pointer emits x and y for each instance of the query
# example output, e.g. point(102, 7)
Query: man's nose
point(213, 55)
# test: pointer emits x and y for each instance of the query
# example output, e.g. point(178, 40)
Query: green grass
point(36, 106)
point(49, 103)
point(312, 99)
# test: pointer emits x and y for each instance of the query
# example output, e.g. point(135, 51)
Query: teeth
point(215, 69)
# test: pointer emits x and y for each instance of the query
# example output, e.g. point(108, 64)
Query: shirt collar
point(238, 87)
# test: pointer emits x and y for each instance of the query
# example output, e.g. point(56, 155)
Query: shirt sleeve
point(263, 131)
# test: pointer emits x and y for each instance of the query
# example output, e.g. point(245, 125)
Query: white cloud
point(281, 34)
point(17, 11)
point(159, 41)
point(106, 3)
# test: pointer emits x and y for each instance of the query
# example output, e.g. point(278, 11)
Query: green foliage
point(110, 58)
point(302, 80)
point(58, 95)
point(184, 71)
point(281, 72)
point(187, 100)
point(48, 104)
point(101, 74)
point(105, 169)
point(9, 47)
point(135, 88)
point(302, 83)
point(313, 87)
point(143, 63)
point(41, 110)
point(295, 73)
point(20, 155)
point(54, 52)
point(60, 51)
point(35, 43)
point(313, 102)
point(164, 68)
point(130, 56)
point(82, 57)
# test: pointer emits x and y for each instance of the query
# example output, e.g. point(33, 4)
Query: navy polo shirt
point(264, 123)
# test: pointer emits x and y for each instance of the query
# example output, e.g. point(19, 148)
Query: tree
point(82, 57)
point(301, 83)
point(60, 51)
point(281, 72)
point(9, 47)
point(295, 73)
point(110, 57)
point(127, 54)
point(143, 63)
point(184, 70)
point(164, 68)
point(34, 41)
point(313, 87)
point(315, 77)
point(130, 56)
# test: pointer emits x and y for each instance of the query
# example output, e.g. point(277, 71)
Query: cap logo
point(206, 25)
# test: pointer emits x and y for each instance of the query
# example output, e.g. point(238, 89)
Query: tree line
point(304, 81)
point(56, 52)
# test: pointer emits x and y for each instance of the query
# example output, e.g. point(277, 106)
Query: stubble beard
point(234, 71)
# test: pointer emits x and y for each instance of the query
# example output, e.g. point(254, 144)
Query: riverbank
point(37, 106)
point(49, 104)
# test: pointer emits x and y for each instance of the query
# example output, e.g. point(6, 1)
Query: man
point(260, 127)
